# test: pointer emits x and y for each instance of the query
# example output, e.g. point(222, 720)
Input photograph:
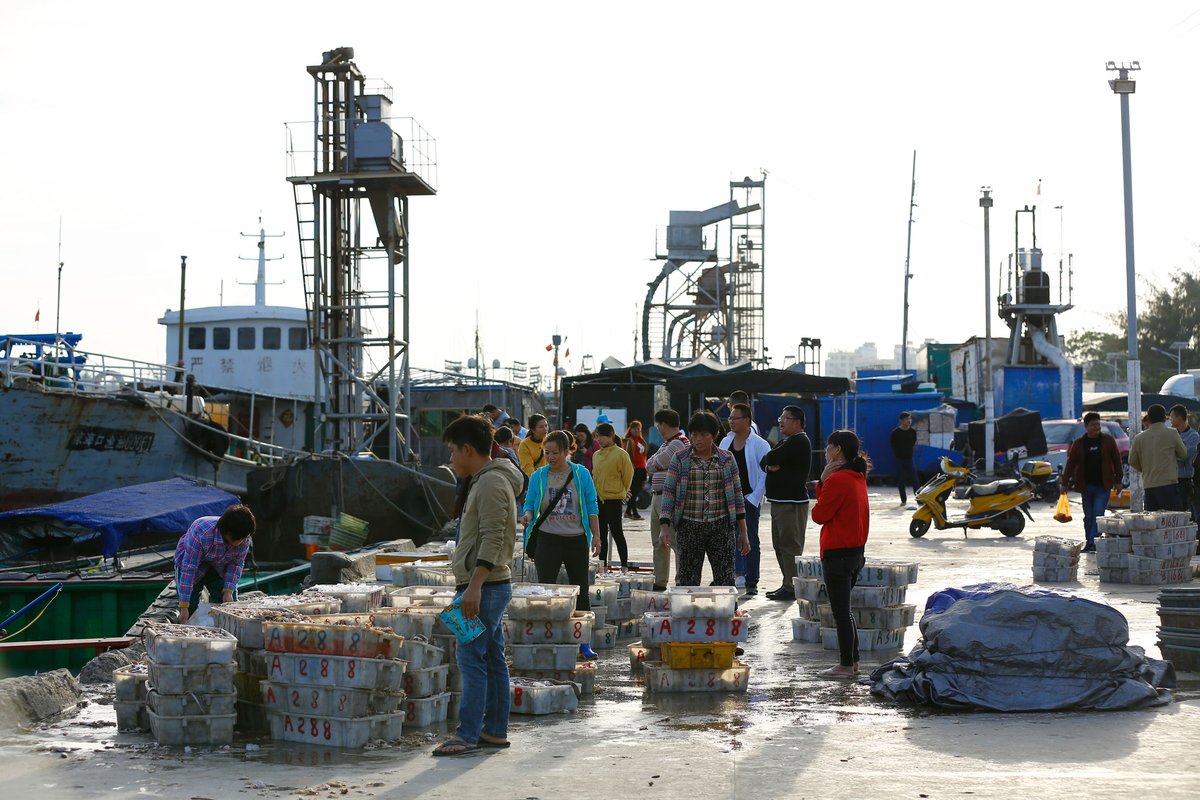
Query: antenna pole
point(182, 295)
point(58, 300)
point(908, 275)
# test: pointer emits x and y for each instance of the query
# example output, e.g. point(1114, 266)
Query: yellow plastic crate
point(690, 655)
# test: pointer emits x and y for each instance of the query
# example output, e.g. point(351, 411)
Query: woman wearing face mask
point(844, 517)
point(563, 496)
point(702, 505)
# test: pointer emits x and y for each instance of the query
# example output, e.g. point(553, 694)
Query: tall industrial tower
point(356, 260)
point(698, 307)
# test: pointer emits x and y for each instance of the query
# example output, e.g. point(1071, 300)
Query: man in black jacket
point(787, 468)
point(904, 442)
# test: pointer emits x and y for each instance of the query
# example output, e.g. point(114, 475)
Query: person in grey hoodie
point(487, 533)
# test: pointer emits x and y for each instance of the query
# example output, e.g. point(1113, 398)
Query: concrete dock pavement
point(791, 734)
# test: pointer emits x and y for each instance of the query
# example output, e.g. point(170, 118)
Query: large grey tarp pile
point(1001, 647)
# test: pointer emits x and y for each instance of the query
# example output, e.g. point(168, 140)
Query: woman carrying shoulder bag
point(561, 512)
point(844, 516)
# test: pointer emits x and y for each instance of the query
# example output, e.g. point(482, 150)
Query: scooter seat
point(995, 487)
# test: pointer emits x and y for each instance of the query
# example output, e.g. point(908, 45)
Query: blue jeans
point(1095, 500)
point(484, 702)
point(906, 472)
point(210, 580)
point(750, 564)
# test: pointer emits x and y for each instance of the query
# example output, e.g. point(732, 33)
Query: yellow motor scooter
point(997, 505)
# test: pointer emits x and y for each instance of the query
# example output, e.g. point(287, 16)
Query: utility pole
point(182, 295)
point(912, 197)
point(989, 434)
point(1123, 86)
point(58, 299)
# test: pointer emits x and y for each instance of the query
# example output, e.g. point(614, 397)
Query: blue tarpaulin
point(160, 507)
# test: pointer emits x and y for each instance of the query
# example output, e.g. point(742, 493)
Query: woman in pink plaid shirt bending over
point(211, 556)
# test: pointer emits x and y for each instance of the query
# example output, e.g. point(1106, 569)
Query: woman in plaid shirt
point(702, 500)
point(211, 556)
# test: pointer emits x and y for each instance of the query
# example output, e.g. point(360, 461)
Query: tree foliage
point(1168, 314)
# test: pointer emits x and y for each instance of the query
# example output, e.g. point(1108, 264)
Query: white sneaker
point(740, 581)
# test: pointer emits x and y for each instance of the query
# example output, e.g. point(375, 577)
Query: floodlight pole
point(989, 443)
point(1123, 86)
point(912, 197)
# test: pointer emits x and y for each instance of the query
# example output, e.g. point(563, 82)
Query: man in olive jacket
point(487, 532)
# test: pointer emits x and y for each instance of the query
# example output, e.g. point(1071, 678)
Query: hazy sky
point(566, 133)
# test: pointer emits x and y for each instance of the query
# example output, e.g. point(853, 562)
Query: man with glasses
point(786, 466)
point(749, 449)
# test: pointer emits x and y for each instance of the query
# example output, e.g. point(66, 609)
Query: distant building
point(844, 363)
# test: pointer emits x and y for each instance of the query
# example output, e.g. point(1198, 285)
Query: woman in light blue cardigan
point(565, 536)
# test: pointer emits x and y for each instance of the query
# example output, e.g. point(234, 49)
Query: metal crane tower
point(356, 260)
point(697, 307)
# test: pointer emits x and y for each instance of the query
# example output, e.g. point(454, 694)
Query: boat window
point(220, 338)
point(297, 338)
point(196, 338)
point(271, 338)
point(245, 338)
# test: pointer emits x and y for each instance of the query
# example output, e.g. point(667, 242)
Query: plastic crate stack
point(1179, 627)
point(697, 639)
point(1055, 559)
point(336, 683)
point(434, 572)
point(877, 603)
point(603, 597)
point(622, 616)
point(544, 632)
point(1146, 547)
point(316, 532)
point(190, 695)
point(130, 703)
point(645, 602)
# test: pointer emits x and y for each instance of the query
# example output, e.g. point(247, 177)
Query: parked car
point(1060, 433)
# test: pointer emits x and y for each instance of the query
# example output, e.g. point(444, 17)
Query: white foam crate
point(876, 596)
point(178, 731)
point(1057, 545)
point(132, 715)
point(628, 581)
point(544, 656)
point(1114, 575)
point(1112, 560)
point(356, 597)
point(603, 593)
point(1143, 564)
point(806, 630)
point(662, 627)
point(601, 613)
point(640, 653)
point(421, 712)
point(642, 601)
point(1174, 550)
point(1114, 544)
point(584, 674)
point(448, 643)
point(328, 701)
point(191, 704)
point(900, 616)
point(1052, 560)
point(604, 637)
point(188, 645)
point(426, 682)
point(876, 573)
point(1056, 574)
point(331, 639)
point(418, 621)
point(130, 682)
point(629, 628)
point(706, 602)
point(1164, 535)
point(537, 698)
point(1153, 577)
point(420, 655)
point(345, 671)
point(663, 679)
point(885, 639)
point(415, 596)
point(1112, 524)
point(807, 609)
point(542, 601)
point(576, 630)
point(811, 589)
point(868, 638)
point(203, 678)
point(809, 567)
point(334, 731)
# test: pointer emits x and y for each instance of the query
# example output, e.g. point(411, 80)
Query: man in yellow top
point(612, 472)
point(530, 451)
point(1155, 453)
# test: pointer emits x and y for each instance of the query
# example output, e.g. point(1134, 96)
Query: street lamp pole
point(989, 448)
point(1123, 86)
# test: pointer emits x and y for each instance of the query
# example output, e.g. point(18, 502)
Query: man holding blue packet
point(487, 532)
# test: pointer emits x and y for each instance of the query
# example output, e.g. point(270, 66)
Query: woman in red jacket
point(844, 517)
